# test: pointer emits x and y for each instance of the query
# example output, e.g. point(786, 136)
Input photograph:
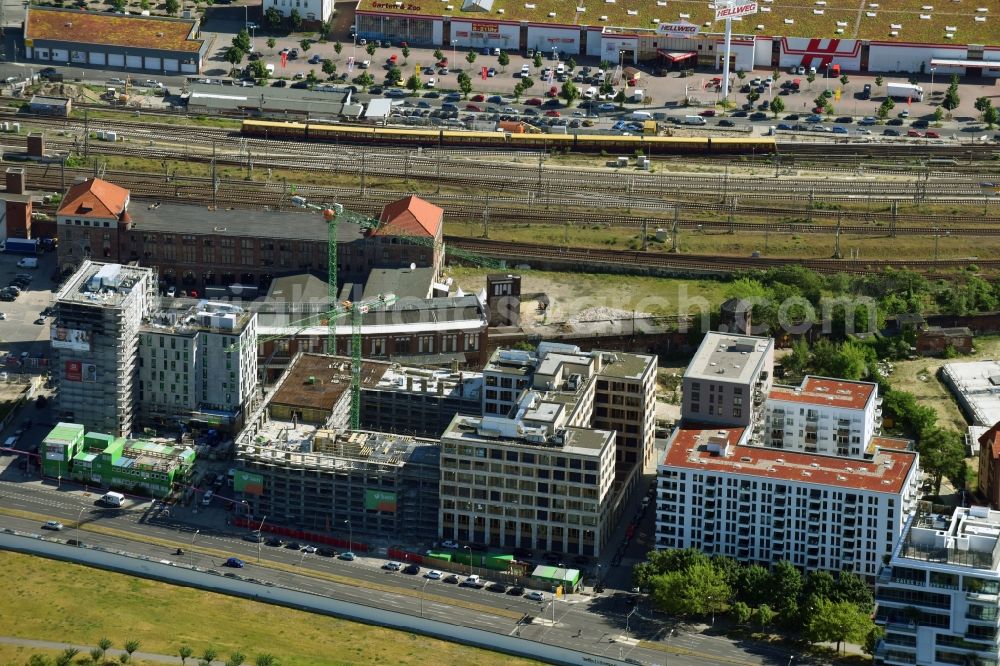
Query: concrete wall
point(177, 574)
point(567, 40)
point(476, 34)
point(889, 57)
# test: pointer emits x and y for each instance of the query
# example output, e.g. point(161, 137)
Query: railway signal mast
point(728, 10)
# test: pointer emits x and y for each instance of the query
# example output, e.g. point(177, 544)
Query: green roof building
point(136, 466)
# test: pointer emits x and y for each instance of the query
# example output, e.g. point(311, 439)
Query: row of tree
point(98, 656)
point(689, 584)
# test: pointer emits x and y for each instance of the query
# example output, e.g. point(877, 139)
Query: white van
point(270, 69)
point(28, 262)
point(643, 115)
point(207, 498)
point(113, 499)
point(692, 120)
point(560, 69)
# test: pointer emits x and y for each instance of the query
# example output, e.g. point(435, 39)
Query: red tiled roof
point(689, 449)
point(991, 440)
point(70, 25)
point(95, 198)
point(823, 391)
point(411, 216)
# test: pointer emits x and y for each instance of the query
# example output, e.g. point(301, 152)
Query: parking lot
point(21, 329)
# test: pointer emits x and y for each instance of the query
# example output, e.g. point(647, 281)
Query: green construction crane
point(334, 215)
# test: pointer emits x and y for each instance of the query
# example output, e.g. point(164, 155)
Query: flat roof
point(203, 315)
point(871, 21)
point(578, 441)
point(403, 282)
point(826, 392)
point(332, 375)
point(625, 365)
point(51, 101)
point(64, 433)
point(75, 289)
point(290, 224)
point(728, 357)
point(109, 29)
point(691, 447)
point(977, 388)
point(461, 384)
point(321, 101)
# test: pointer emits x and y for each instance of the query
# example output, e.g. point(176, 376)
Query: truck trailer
point(20, 246)
point(904, 91)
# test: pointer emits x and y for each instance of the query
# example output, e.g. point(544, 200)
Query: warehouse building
point(322, 480)
point(95, 344)
point(113, 41)
point(134, 466)
point(323, 102)
point(198, 365)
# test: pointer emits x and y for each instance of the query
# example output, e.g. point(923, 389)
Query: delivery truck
point(112, 498)
point(904, 91)
point(20, 246)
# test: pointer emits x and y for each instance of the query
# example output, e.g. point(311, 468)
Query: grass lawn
point(56, 601)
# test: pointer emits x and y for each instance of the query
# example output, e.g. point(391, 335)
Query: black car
point(919, 123)
point(300, 85)
point(890, 132)
point(280, 83)
point(50, 74)
point(523, 553)
point(294, 545)
point(412, 569)
point(253, 537)
point(792, 116)
point(759, 115)
point(895, 121)
point(275, 541)
point(515, 591)
point(326, 551)
point(451, 579)
point(497, 587)
point(726, 123)
point(740, 114)
point(844, 120)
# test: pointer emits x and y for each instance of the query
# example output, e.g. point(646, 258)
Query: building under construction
point(347, 482)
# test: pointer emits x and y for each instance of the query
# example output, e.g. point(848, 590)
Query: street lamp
point(628, 619)
point(350, 536)
point(79, 518)
point(454, 44)
point(259, 537)
point(424, 587)
point(933, 69)
point(469, 548)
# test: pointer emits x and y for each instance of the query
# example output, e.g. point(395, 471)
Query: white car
point(473, 581)
point(365, 64)
point(309, 549)
point(802, 70)
point(433, 574)
point(392, 566)
point(449, 544)
point(52, 525)
point(525, 71)
point(535, 595)
point(431, 82)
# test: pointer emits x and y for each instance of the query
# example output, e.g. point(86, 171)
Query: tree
point(394, 77)
point(464, 84)
point(569, 92)
point(951, 99)
point(838, 621)
point(124, 658)
point(741, 612)
point(370, 49)
point(884, 108)
point(329, 68)
point(271, 42)
point(295, 20)
point(337, 48)
point(185, 653)
point(942, 454)
point(258, 69)
point(131, 646)
point(236, 659)
point(819, 585)
point(406, 53)
point(242, 40)
point(620, 98)
point(571, 63)
point(266, 659)
point(786, 583)
point(527, 82)
point(518, 91)
point(172, 6)
point(38, 660)
point(272, 18)
point(470, 57)
point(413, 83)
point(753, 96)
point(740, 74)
point(104, 644)
point(911, 417)
point(872, 639)
point(537, 60)
point(438, 55)
point(810, 77)
point(365, 80)
point(66, 657)
point(234, 56)
point(938, 114)
point(991, 116)
point(209, 655)
point(981, 104)
point(503, 60)
point(850, 587)
point(879, 81)
point(118, 5)
point(698, 591)
point(305, 45)
point(819, 101)
point(765, 616)
point(844, 79)
point(776, 106)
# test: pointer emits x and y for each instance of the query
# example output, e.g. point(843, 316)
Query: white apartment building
point(759, 504)
point(531, 481)
point(95, 340)
point(611, 390)
point(199, 364)
point(938, 598)
point(728, 380)
point(822, 415)
point(310, 10)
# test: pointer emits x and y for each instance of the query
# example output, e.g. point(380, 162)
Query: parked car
point(412, 570)
point(535, 595)
point(725, 122)
point(707, 113)
point(433, 574)
point(515, 591)
point(931, 134)
point(235, 563)
point(917, 134)
point(497, 587)
point(448, 543)
point(451, 579)
point(890, 132)
point(348, 556)
point(392, 566)
point(533, 101)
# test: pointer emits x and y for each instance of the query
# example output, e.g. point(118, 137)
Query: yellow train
point(436, 138)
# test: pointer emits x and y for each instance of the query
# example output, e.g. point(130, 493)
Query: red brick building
point(989, 466)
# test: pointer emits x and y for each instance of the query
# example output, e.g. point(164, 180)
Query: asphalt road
point(596, 625)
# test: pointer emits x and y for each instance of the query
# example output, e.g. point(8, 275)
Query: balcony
point(988, 597)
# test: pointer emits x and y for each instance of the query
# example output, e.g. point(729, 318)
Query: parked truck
point(20, 246)
point(904, 91)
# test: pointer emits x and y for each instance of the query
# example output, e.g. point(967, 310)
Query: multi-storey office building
point(199, 364)
point(759, 504)
point(95, 343)
point(419, 401)
point(938, 595)
point(530, 481)
point(823, 415)
point(379, 484)
point(612, 390)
